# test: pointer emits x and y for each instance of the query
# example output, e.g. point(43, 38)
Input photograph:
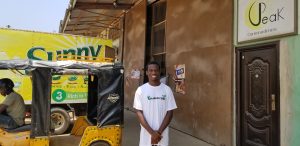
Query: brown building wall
point(199, 35)
point(134, 48)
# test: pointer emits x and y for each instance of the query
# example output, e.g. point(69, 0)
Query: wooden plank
point(95, 5)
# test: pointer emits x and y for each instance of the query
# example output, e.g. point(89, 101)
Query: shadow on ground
point(131, 132)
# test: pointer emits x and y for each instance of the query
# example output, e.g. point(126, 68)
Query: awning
point(94, 17)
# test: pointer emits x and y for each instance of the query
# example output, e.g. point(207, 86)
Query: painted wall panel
point(134, 48)
point(290, 91)
point(199, 35)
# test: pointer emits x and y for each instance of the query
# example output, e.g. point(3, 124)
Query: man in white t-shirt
point(154, 103)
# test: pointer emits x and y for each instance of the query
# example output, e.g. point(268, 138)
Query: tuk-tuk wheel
point(100, 143)
point(60, 120)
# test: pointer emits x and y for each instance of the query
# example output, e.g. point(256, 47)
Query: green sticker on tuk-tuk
point(59, 95)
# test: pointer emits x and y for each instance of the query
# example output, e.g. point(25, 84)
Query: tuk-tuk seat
point(19, 129)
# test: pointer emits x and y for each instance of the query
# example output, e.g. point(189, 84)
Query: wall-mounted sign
point(179, 78)
point(180, 86)
point(180, 71)
point(265, 18)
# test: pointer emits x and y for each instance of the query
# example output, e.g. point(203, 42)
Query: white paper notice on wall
point(135, 74)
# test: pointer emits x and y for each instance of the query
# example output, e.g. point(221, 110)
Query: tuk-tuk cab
point(102, 125)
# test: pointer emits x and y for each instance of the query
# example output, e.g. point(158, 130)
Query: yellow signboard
point(16, 44)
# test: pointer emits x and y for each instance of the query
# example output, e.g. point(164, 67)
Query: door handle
point(273, 102)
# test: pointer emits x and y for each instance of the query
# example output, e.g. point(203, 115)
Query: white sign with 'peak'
point(265, 18)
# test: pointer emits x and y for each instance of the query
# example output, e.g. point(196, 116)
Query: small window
point(158, 44)
point(159, 12)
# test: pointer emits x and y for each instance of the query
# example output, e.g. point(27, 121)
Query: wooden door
point(258, 96)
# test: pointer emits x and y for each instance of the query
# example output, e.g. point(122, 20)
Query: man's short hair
point(153, 63)
point(7, 84)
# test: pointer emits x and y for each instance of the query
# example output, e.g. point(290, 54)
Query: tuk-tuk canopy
point(55, 65)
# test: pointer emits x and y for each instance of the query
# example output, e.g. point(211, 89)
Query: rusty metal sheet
point(199, 35)
point(134, 48)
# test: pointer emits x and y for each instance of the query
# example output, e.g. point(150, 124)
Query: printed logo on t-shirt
point(163, 97)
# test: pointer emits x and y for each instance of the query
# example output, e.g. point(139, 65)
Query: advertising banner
point(16, 44)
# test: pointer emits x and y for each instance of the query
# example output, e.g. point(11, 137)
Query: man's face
point(153, 72)
point(2, 91)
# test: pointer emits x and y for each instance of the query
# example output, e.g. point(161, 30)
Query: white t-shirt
point(16, 107)
point(154, 101)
